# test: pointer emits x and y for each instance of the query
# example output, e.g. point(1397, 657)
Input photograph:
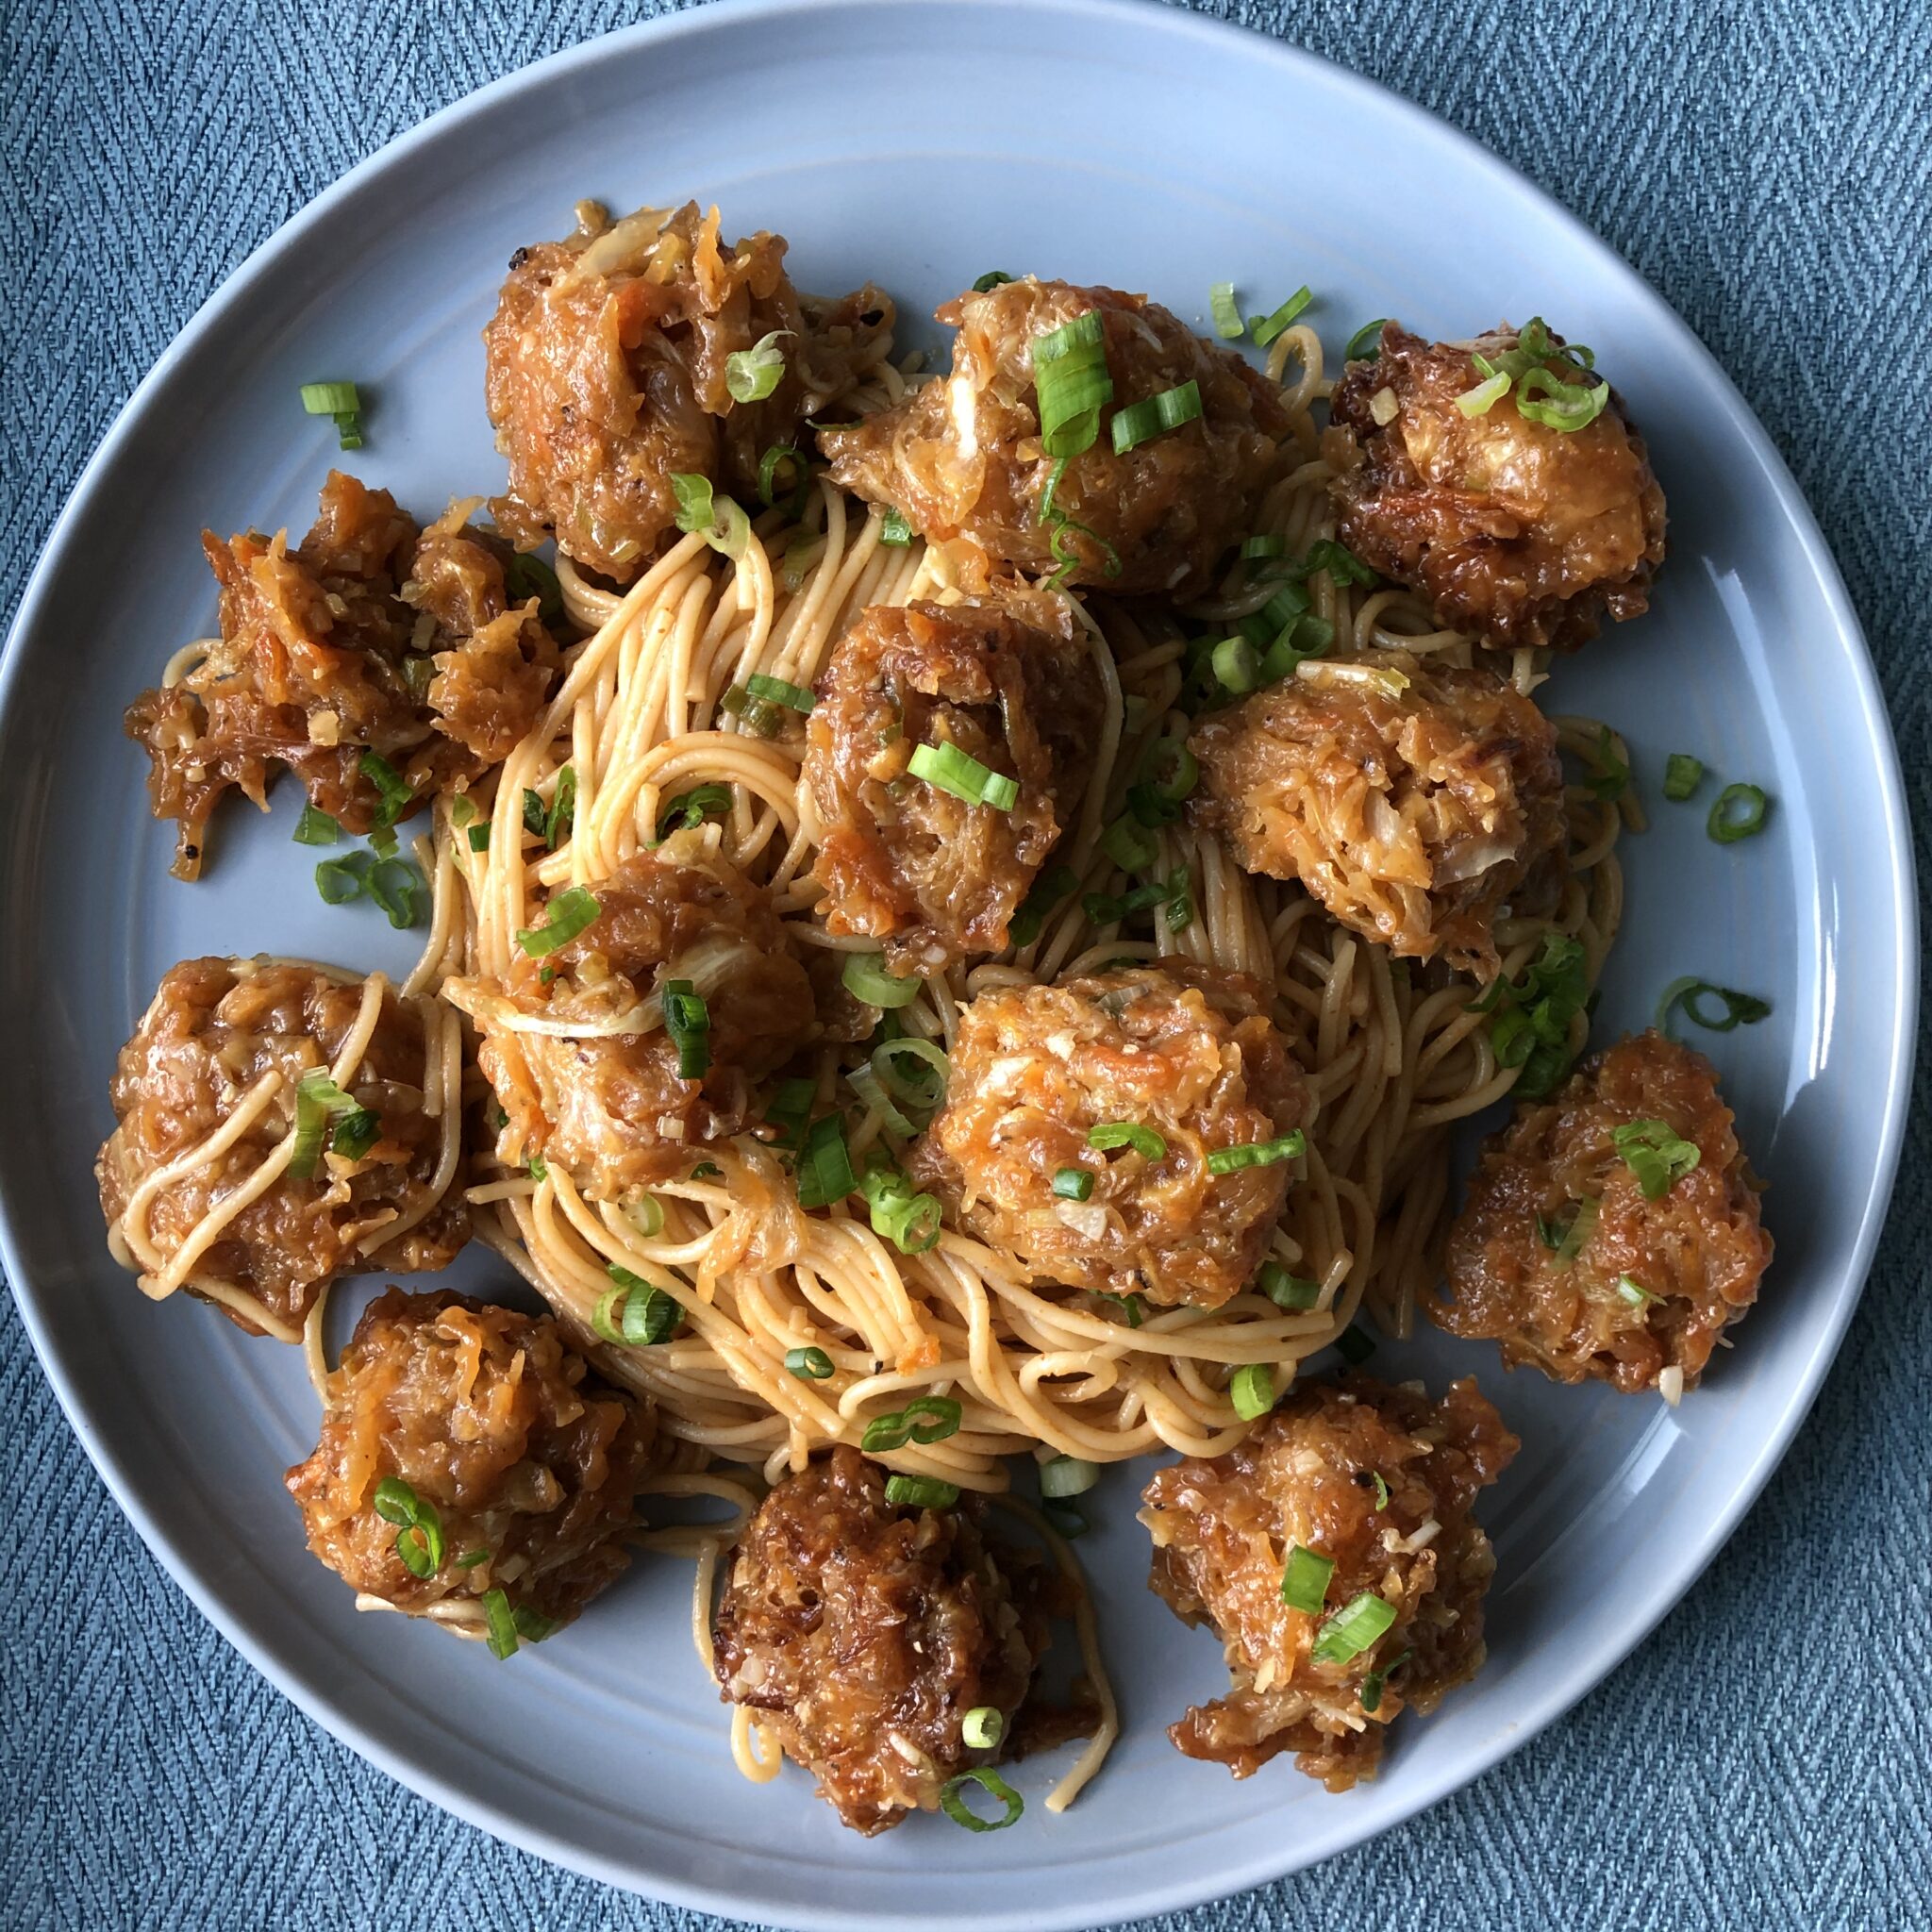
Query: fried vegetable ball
point(1333, 1552)
point(228, 1042)
point(962, 456)
point(372, 640)
point(1127, 1084)
point(466, 1451)
point(1515, 529)
point(576, 1042)
point(866, 1632)
point(1612, 1232)
point(608, 371)
point(933, 875)
point(1412, 802)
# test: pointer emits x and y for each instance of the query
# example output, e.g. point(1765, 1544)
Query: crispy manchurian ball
point(1642, 1287)
point(214, 1031)
point(962, 455)
point(1182, 1052)
point(934, 876)
point(504, 1444)
point(605, 1098)
point(608, 372)
point(1518, 532)
point(369, 637)
point(865, 1632)
point(1377, 1481)
point(1411, 802)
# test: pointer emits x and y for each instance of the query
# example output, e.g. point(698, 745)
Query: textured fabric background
point(1763, 1761)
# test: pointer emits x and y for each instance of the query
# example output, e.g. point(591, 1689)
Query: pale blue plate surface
point(922, 144)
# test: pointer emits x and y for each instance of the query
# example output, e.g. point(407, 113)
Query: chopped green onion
point(647, 1216)
point(525, 576)
point(356, 1134)
point(395, 1501)
point(1131, 1305)
point(894, 530)
point(1343, 565)
point(539, 1171)
point(1656, 1153)
point(1727, 826)
point(1142, 422)
point(769, 464)
point(1611, 777)
point(758, 717)
point(794, 697)
point(1292, 1292)
point(1365, 345)
point(565, 915)
point(692, 808)
point(705, 1171)
point(1127, 845)
point(1740, 1008)
point(419, 673)
point(1073, 1184)
point(330, 398)
point(470, 1558)
point(318, 1101)
point(1171, 769)
point(910, 1222)
point(502, 1622)
point(635, 1313)
point(1484, 397)
point(922, 1082)
point(1572, 1237)
point(949, 769)
point(532, 1626)
point(1530, 1027)
point(1360, 1623)
point(563, 809)
point(991, 279)
point(1145, 1141)
point(1180, 899)
point(701, 512)
point(1071, 384)
point(479, 837)
point(536, 819)
point(809, 1364)
point(1252, 1391)
point(1067, 1475)
point(1236, 665)
point(395, 796)
point(1226, 314)
point(1257, 1154)
point(826, 1172)
point(982, 1728)
point(383, 843)
point(1265, 545)
point(921, 1492)
point(1634, 1291)
point(954, 1806)
point(1305, 1581)
point(397, 887)
point(750, 375)
point(1061, 543)
point(316, 828)
point(1353, 1347)
point(874, 1098)
point(1381, 1486)
point(1049, 888)
point(1683, 775)
point(688, 1021)
point(888, 1432)
point(1373, 1684)
point(865, 978)
point(1270, 326)
point(1544, 397)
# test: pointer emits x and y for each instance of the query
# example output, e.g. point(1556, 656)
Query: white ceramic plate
point(922, 143)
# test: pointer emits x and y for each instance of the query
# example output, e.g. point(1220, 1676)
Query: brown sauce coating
point(606, 364)
point(931, 876)
point(215, 1027)
point(369, 637)
point(1180, 1049)
point(1411, 815)
point(1696, 1253)
point(1517, 532)
point(865, 1632)
point(613, 1108)
point(490, 1419)
point(1306, 1475)
point(1169, 507)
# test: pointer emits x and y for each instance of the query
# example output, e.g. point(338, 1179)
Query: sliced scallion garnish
point(1305, 1580)
point(952, 770)
point(1146, 1142)
point(1356, 1627)
point(564, 917)
point(1290, 1147)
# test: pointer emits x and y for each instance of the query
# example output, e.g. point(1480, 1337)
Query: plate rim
point(1223, 40)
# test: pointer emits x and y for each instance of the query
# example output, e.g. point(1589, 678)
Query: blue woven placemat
point(1763, 1761)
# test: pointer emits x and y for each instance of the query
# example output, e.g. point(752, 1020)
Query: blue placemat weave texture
point(1763, 1761)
